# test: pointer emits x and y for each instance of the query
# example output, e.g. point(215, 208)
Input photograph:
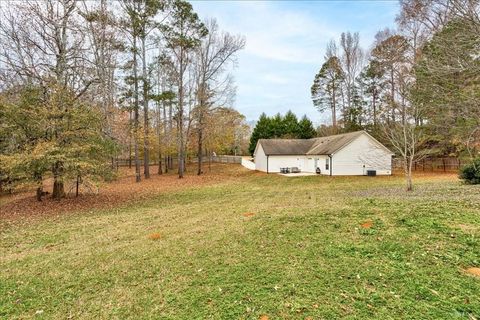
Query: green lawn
point(302, 255)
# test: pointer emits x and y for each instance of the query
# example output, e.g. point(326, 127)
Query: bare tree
point(407, 139)
point(105, 46)
point(352, 58)
point(214, 54)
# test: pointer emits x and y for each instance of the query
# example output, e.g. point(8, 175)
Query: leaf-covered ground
point(254, 246)
point(110, 195)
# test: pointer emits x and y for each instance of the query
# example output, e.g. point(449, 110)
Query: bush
point(471, 172)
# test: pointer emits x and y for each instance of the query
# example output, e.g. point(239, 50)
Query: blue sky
point(285, 45)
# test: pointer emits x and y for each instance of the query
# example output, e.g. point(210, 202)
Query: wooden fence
point(125, 162)
point(447, 164)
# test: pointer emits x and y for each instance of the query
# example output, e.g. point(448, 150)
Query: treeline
point(85, 82)
point(284, 127)
point(416, 88)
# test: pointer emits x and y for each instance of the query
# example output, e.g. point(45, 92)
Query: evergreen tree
point(306, 129)
point(281, 127)
point(326, 88)
point(447, 86)
point(371, 81)
point(277, 126)
point(290, 125)
point(262, 130)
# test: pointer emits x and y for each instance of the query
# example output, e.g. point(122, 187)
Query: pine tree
point(326, 88)
point(306, 129)
point(262, 130)
point(182, 34)
point(291, 128)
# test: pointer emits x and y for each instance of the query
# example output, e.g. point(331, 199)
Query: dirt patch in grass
point(117, 193)
point(473, 271)
point(154, 236)
point(367, 224)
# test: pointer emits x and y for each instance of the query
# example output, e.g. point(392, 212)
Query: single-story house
point(343, 154)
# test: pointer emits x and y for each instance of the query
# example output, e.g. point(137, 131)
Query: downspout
point(331, 163)
point(267, 163)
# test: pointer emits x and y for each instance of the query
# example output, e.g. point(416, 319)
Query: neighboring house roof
point(315, 146)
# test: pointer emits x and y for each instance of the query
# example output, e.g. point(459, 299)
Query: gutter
point(331, 164)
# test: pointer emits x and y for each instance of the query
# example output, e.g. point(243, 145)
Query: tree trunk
point(181, 154)
point(159, 153)
point(39, 180)
point(200, 149)
point(146, 152)
point(392, 92)
point(76, 186)
point(210, 161)
point(334, 108)
point(138, 177)
point(130, 144)
point(165, 133)
point(58, 190)
point(58, 186)
point(200, 154)
point(408, 174)
point(39, 193)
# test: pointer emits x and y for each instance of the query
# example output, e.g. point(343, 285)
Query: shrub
point(471, 172)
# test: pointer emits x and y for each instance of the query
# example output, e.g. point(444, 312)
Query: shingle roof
point(285, 146)
point(330, 144)
point(315, 146)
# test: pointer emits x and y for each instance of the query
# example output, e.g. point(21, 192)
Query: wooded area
point(416, 88)
point(83, 83)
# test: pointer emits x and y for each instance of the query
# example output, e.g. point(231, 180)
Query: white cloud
point(273, 32)
point(285, 45)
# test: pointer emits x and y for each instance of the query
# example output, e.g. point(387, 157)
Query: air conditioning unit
point(371, 173)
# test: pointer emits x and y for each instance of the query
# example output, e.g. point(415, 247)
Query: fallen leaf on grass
point(112, 195)
point(154, 236)
point(367, 224)
point(473, 271)
point(248, 214)
point(263, 317)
